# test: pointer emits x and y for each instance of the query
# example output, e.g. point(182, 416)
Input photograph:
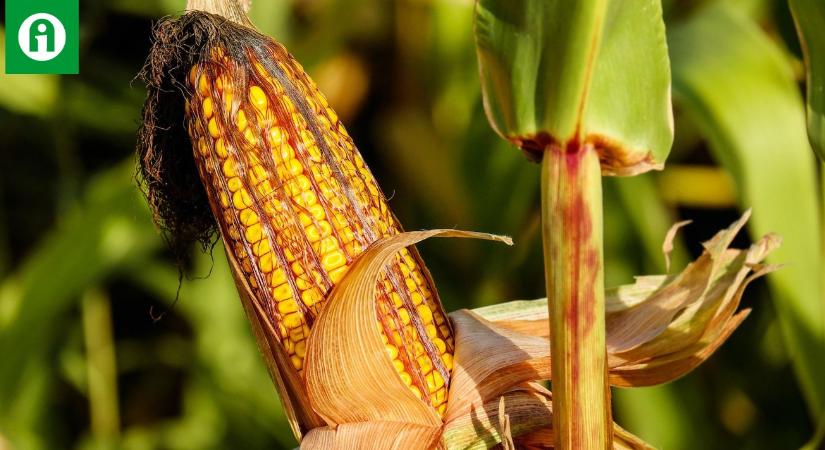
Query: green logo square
point(42, 36)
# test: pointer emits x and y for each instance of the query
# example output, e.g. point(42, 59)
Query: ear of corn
point(296, 205)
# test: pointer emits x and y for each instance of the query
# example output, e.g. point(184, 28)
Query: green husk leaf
point(595, 71)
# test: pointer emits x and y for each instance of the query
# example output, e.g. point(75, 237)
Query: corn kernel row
point(297, 205)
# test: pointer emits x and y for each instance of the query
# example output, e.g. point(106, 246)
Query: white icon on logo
point(41, 37)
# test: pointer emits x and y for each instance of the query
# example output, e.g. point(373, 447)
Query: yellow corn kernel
point(298, 206)
point(207, 107)
point(258, 98)
point(282, 292)
point(293, 320)
point(287, 306)
point(213, 129)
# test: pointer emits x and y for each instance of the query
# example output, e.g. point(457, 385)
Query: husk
point(349, 376)
point(490, 360)
point(377, 435)
point(660, 327)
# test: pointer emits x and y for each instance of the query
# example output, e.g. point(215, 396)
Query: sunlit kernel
point(430, 330)
point(317, 212)
point(333, 118)
point(241, 121)
point(297, 362)
point(338, 274)
point(425, 313)
point(416, 392)
point(447, 359)
point(303, 283)
point(282, 292)
point(334, 260)
point(440, 345)
point(276, 137)
point(392, 351)
point(293, 320)
point(249, 136)
point(406, 378)
point(426, 365)
point(234, 184)
point(241, 199)
point(207, 107)
point(404, 315)
point(278, 276)
point(398, 365)
point(287, 306)
point(266, 263)
point(396, 338)
point(212, 126)
point(297, 268)
point(220, 148)
point(258, 98)
point(305, 219)
point(203, 85)
point(311, 296)
point(230, 168)
point(261, 248)
point(327, 245)
point(248, 217)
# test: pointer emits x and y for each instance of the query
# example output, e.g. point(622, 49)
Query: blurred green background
point(96, 353)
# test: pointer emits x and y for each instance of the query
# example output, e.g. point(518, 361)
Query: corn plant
point(349, 320)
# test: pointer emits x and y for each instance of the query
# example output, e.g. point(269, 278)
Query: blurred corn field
point(103, 345)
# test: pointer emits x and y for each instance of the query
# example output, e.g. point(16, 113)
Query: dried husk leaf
point(529, 409)
point(378, 434)
point(706, 319)
point(632, 327)
point(490, 360)
point(699, 306)
point(667, 246)
point(349, 376)
point(479, 427)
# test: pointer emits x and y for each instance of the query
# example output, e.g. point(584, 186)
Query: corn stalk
point(574, 273)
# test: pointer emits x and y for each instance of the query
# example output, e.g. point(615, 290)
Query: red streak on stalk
point(572, 230)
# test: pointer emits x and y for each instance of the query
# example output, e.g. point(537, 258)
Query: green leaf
point(26, 94)
point(592, 71)
point(809, 16)
point(721, 60)
point(109, 229)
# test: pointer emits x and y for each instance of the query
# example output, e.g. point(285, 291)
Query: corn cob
point(296, 205)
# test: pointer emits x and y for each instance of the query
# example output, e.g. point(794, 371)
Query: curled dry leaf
point(660, 327)
point(349, 376)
